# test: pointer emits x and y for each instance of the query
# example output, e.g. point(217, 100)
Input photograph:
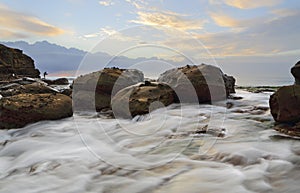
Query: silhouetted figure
point(45, 73)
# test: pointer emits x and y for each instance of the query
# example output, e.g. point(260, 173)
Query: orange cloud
point(16, 21)
point(168, 19)
point(246, 4)
point(225, 20)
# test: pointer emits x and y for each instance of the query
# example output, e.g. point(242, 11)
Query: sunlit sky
point(231, 27)
point(227, 28)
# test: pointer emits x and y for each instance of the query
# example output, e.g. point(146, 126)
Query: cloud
point(106, 2)
point(138, 4)
point(17, 22)
point(267, 37)
point(10, 34)
point(224, 20)
point(246, 4)
point(263, 37)
point(284, 12)
point(168, 19)
point(108, 33)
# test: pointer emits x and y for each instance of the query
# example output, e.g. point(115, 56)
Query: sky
point(262, 34)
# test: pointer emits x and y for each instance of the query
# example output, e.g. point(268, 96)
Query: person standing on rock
point(45, 73)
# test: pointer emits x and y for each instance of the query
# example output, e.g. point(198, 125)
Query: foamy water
point(160, 152)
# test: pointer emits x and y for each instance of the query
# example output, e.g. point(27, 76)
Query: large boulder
point(94, 91)
point(285, 104)
point(296, 73)
point(141, 99)
point(202, 83)
point(14, 63)
point(22, 109)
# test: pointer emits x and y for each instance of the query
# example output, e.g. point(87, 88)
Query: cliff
point(13, 61)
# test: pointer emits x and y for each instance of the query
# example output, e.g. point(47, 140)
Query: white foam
point(152, 153)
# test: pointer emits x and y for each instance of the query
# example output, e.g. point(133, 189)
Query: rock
point(296, 72)
point(14, 63)
point(285, 104)
point(22, 109)
point(235, 97)
point(202, 83)
point(229, 83)
point(141, 99)
point(95, 90)
point(67, 92)
point(33, 88)
point(288, 129)
point(59, 81)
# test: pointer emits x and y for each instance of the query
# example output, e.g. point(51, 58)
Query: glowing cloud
point(106, 3)
point(14, 22)
point(246, 4)
point(168, 19)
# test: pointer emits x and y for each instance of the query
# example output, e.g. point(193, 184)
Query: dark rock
point(202, 83)
point(229, 83)
point(95, 90)
point(142, 99)
point(67, 92)
point(13, 63)
point(59, 81)
point(235, 97)
point(33, 88)
point(259, 89)
point(296, 73)
point(285, 104)
point(289, 129)
point(19, 110)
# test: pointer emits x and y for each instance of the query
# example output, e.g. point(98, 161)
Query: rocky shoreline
point(126, 93)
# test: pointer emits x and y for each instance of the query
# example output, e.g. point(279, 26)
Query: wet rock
point(95, 90)
point(259, 89)
point(235, 97)
point(289, 129)
point(202, 83)
point(14, 63)
point(141, 99)
point(285, 104)
point(67, 92)
point(296, 72)
point(33, 88)
point(59, 81)
point(20, 110)
point(229, 83)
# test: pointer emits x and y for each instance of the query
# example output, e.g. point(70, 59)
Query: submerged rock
point(141, 99)
point(22, 109)
point(289, 129)
point(202, 83)
point(95, 90)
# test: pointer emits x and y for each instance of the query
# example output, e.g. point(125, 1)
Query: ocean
point(164, 151)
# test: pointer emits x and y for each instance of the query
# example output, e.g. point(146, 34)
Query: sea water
point(159, 152)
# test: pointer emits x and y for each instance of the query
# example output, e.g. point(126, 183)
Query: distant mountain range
point(50, 57)
point(56, 59)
